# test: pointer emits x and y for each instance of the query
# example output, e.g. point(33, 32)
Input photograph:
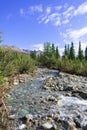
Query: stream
point(30, 99)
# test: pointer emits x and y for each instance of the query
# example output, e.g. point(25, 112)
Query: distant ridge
point(14, 48)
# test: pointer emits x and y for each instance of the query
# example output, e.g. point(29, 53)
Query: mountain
point(19, 50)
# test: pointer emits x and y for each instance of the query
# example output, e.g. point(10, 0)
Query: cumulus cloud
point(82, 9)
point(76, 34)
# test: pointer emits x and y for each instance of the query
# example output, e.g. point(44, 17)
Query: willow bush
point(14, 62)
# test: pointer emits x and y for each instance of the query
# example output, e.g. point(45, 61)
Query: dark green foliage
point(68, 63)
point(65, 51)
point(86, 53)
point(72, 52)
point(13, 62)
point(57, 53)
point(80, 52)
point(53, 49)
point(47, 49)
point(33, 54)
point(49, 56)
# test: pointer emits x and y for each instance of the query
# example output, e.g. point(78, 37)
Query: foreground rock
point(70, 85)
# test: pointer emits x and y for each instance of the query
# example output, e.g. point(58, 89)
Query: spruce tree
point(68, 49)
point(65, 51)
point(47, 49)
point(33, 54)
point(80, 52)
point(72, 52)
point(57, 53)
point(53, 49)
point(86, 53)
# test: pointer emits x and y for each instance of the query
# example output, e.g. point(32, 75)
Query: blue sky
point(29, 23)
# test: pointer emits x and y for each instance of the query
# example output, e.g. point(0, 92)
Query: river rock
point(47, 126)
point(67, 125)
point(12, 117)
point(21, 127)
point(51, 98)
point(78, 121)
point(16, 82)
point(84, 127)
point(29, 117)
point(83, 94)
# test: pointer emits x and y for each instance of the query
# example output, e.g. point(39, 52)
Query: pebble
point(29, 117)
point(47, 125)
point(23, 126)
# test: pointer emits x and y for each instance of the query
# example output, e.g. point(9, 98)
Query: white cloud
point(76, 34)
point(69, 12)
point(54, 18)
point(83, 46)
point(65, 21)
point(36, 8)
point(47, 20)
point(48, 10)
point(61, 50)
point(38, 47)
point(41, 18)
point(54, 15)
point(82, 9)
point(58, 7)
point(21, 11)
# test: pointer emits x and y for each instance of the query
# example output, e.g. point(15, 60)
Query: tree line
point(68, 62)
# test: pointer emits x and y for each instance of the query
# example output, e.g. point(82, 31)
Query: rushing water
point(26, 98)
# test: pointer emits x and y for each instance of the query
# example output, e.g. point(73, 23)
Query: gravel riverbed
point(51, 100)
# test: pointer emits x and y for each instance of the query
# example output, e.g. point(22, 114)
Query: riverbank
point(10, 82)
point(48, 100)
